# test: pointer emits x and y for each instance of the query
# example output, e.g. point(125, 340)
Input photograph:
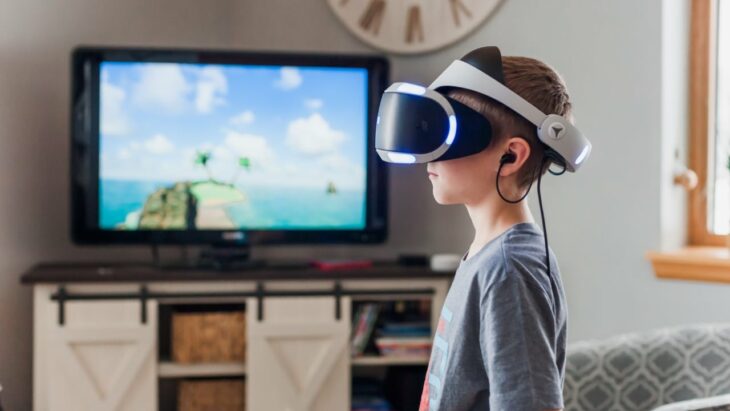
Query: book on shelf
point(405, 329)
point(362, 327)
point(404, 346)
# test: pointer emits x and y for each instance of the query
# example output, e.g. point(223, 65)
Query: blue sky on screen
point(299, 126)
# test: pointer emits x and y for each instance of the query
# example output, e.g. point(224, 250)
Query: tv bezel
point(85, 136)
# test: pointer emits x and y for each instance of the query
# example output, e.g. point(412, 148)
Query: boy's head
point(469, 179)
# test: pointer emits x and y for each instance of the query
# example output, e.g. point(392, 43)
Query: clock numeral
point(414, 27)
point(373, 16)
point(457, 5)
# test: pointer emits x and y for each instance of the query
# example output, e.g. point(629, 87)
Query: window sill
point(693, 263)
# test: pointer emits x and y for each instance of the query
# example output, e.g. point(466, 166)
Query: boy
point(500, 342)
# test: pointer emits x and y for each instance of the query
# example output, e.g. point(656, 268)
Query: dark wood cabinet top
point(55, 273)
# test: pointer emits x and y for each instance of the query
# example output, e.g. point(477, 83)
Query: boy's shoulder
point(516, 255)
point(523, 244)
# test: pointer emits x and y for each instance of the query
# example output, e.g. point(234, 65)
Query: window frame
point(702, 101)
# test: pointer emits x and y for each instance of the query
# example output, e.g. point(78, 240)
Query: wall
point(36, 37)
point(601, 220)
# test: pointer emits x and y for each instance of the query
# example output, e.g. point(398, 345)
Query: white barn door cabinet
point(97, 337)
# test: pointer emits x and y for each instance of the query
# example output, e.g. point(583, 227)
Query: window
point(709, 219)
point(720, 222)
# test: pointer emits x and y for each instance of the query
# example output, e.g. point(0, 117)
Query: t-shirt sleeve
point(518, 345)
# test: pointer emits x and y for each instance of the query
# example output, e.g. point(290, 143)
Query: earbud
point(508, 158)
point(505, 159)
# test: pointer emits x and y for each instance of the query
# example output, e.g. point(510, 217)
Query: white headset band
point(464, 75)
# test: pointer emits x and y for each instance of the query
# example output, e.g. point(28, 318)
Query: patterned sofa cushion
point(646, 370)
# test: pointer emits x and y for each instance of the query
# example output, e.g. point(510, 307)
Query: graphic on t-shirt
point(436, 373)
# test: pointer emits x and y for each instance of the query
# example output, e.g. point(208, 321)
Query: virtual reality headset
point(417, 124)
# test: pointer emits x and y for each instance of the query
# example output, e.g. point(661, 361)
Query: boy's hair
point(537, 83)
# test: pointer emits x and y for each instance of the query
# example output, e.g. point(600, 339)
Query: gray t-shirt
point(500, 341)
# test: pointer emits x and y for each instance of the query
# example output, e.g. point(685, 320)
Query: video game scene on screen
point(201, 146)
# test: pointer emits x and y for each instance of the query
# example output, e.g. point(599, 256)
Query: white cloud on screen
point(114, 121)
point(161, 86)
point(342, 169)
point(289, 78)
point(339, 163)
point(159, 144)
point(252, 146)
point(210, 89)
point(124, 154)
point(313, 135)
point(268, 170)
point(246, 117)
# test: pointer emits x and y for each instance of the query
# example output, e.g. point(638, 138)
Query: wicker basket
point(212, 395)
point(209, 337)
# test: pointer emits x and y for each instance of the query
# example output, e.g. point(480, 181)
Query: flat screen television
point(176, 146)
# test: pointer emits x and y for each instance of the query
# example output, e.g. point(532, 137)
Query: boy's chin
point(444, 198)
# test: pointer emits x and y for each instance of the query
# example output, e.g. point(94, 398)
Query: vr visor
point(417, 124)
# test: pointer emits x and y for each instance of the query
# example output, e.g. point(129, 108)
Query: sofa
point(647, 370)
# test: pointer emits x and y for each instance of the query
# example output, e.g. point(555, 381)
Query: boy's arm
point(518, 339)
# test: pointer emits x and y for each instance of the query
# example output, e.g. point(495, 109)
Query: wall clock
point(412, 26)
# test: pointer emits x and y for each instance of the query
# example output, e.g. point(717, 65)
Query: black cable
point(556, 159)
point(550, 156)
point(499, 172)
point(558, 173)
point(542, 217)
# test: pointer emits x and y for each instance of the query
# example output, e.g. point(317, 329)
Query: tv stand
point(91, 321)
point(216, 257)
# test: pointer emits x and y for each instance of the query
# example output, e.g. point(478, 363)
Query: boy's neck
point(492, 217)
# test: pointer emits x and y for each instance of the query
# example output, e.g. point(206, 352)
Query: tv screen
point(181, 146)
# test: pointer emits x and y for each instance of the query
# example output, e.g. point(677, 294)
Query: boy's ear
point(517, 151)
